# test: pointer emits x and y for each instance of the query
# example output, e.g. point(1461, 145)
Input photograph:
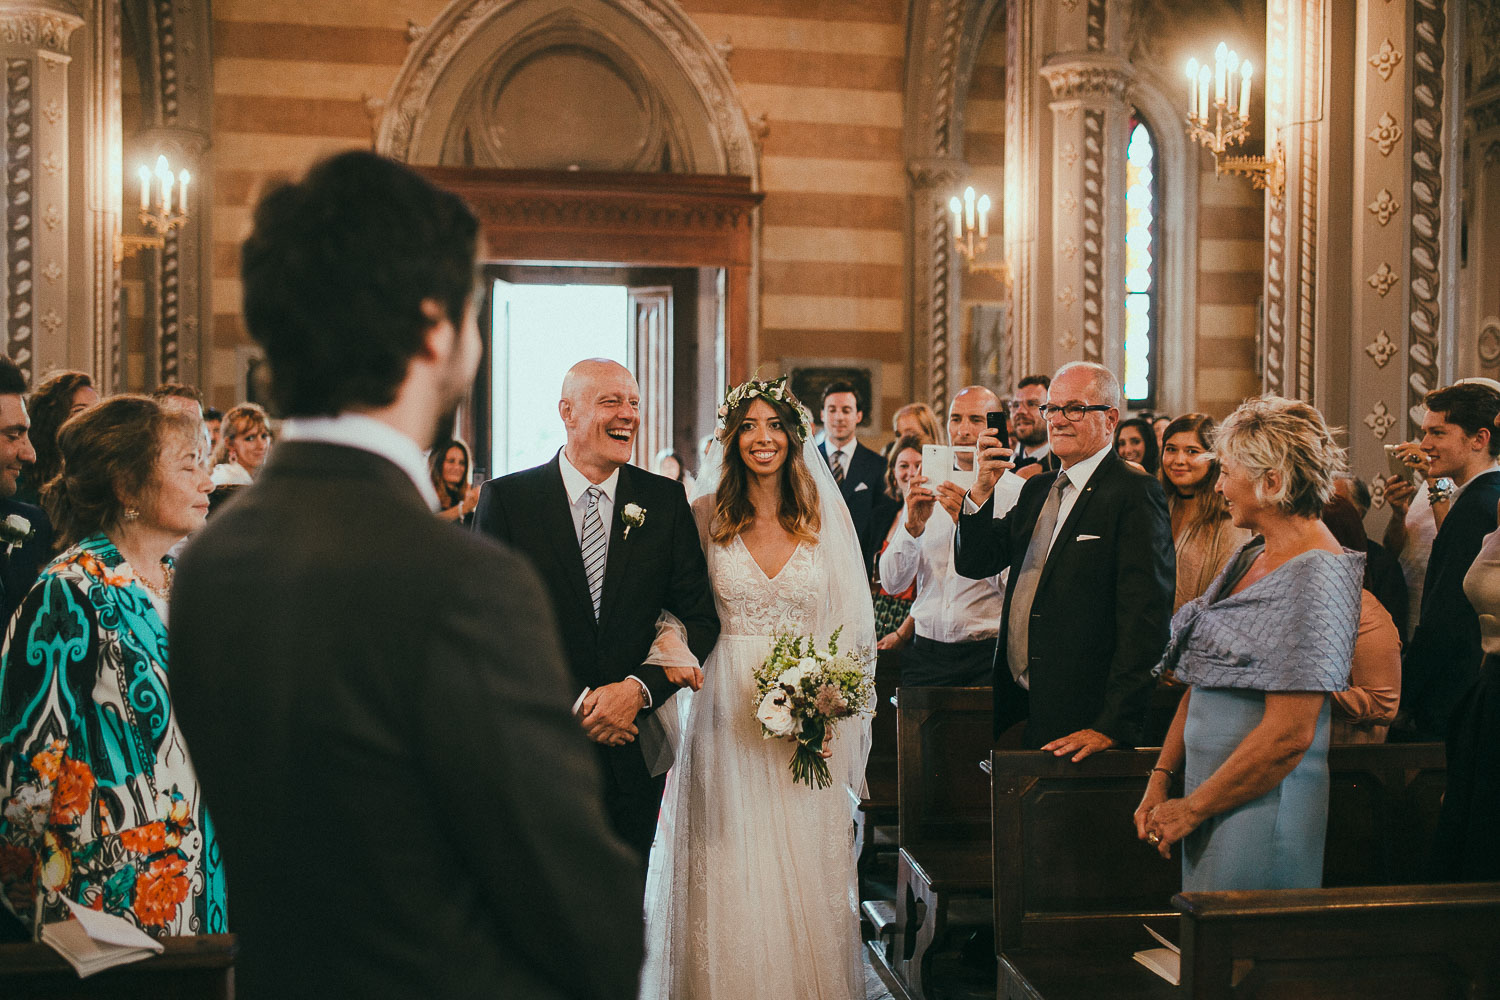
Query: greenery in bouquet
point(801, 694)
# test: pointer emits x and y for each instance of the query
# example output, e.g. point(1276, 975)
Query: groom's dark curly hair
point(335, 273)
point(733, 509)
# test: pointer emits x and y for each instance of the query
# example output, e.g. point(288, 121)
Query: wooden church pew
point(191, 968)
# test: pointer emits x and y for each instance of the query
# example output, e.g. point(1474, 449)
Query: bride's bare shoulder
point(703, 516)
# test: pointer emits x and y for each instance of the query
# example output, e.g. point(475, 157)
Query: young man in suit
point(1442, 660)
point(859, 471)
point(27, 549)
point(616, 546)
point(1092, 574)
point(375, 700)
point(1028, 427)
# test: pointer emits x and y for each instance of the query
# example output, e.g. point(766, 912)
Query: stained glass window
point(1141, 247)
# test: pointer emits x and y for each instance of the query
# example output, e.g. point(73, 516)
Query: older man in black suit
point(25, 530)
point(376, 700)
point(616, 546)
point(1092, 573)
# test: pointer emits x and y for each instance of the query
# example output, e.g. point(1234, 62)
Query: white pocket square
point(861, 486)
point(1086, 538)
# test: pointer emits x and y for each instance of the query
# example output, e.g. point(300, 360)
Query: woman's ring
point(1153, 838)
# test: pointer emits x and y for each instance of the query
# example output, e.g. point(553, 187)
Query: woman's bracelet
point(1165, 770)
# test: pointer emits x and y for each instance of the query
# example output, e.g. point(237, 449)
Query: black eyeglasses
point(1074, 411)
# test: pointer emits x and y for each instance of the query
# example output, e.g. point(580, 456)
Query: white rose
point(29, 809)
point(776, 715)
point(809, 664)
point(792, 676)
point(19, 523)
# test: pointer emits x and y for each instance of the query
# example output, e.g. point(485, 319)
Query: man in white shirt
point(956, 619)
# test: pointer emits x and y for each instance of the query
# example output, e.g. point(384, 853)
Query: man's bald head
point(966, 417)
point(599, 408)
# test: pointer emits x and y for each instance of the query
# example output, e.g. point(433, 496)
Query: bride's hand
point(688, 677)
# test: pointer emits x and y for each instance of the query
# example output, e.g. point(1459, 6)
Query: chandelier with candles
point(164, 207)
point(1223, 121)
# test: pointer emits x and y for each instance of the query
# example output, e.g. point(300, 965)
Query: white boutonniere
point(634, 516)
point(15, 530)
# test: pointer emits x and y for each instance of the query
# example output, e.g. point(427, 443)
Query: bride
point(752, 889)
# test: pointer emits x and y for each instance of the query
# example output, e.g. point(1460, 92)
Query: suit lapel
point(619, 549)
point(1065, 536)
point(557, 524)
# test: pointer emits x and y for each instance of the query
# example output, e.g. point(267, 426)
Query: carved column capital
point(1087, 77)
point(47, 26)
point(936, 172)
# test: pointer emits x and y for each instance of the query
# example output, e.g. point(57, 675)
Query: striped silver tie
point(594, 543)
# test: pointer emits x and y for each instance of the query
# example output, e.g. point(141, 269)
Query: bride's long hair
point(733, 511)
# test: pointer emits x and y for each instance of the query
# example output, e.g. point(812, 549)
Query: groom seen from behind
point(616, 546)
point(382, 726)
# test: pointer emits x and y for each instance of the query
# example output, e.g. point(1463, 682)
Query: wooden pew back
point(1342, 944)
point(880, 768)
point(191, 968)
point(943, 734)
point(1070, 871)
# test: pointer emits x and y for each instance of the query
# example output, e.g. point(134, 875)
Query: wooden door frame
point(625, 219)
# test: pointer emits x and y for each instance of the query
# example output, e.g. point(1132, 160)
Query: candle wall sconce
point(971, 233)
point(1224, 121)
point(160, 213)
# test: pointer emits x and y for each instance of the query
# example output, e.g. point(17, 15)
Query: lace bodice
point(750, 604)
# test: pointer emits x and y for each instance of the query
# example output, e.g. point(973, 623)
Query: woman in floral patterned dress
point(99, 803)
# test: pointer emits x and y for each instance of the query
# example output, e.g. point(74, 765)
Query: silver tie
point(594, 547)
point(1018, 637)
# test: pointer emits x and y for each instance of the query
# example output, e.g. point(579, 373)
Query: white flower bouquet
point(802, 692)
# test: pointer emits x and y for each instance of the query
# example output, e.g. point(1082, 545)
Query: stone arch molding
point(667, 47)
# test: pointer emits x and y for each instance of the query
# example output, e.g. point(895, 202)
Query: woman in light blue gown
point(1261, 650)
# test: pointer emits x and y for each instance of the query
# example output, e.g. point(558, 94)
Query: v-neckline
point(769, 577)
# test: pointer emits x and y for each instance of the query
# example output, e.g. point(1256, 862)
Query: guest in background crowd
point(383, 724)
point(452, 472)
point(214, 421)
point(859, 471)
point(670, 465)
point(1383, 574)
point(1364, 713)
point(1252, 731)
point(1159, 425)
point(1411, 530)
point(25, 529)
point(242, 449)
point(1203, 534)
point(954, 619)
point(1135, 441)
point(182, 398)
point(102, 804)
point(60, 396)
point(1089, 596)
point(1442, 660)
point(916, 420)
point(1466, 846)
point(893, 624)
point(1028, 431)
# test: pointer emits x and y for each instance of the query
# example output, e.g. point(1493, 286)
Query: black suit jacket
point(377, 707)
point(1099, 621)
point(19, 569)
point(863, 489)
point(1049, 462)
point(1443, 658)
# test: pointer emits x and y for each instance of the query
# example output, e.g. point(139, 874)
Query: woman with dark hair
point(1261, 650)
point(753, 878)
point(893, 624)
point(1135, 441)
point(101, 802)
point(670, 465)
point(61, 395)
point(1202, 532)
point(243, 446)
point(450, 468)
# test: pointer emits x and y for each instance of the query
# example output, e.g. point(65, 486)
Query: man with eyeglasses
point(1027, 426)
point(1092, 574)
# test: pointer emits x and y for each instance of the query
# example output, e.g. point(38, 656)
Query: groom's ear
point(438, 335)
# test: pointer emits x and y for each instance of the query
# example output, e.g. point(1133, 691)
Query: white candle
point(984, 216)
point(166, 193)
point(1245, 90)
point(1229, 92)
point(968, 208)
point(145, 176)
point(1220, 55)
point(957, 208)
point(1204, 82)
point(1192, 88)
point(182, 182)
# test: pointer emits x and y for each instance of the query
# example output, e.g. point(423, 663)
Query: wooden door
point(650, 360)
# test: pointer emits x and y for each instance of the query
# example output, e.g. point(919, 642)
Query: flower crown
point(775, 390)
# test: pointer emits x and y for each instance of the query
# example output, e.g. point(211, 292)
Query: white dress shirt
point(847, 451)
point(1038, 452)
point(354, 430)
point(948, 607)
point(576, 486)
point(1078, 477)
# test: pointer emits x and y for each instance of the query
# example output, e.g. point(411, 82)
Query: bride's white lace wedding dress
point(752, 891)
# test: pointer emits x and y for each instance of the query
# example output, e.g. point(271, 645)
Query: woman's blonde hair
point(1271, 434)
point(733, 512)
point(238, 422)
point(926, 419)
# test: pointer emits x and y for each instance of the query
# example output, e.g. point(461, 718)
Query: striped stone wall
point(1231, 246)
